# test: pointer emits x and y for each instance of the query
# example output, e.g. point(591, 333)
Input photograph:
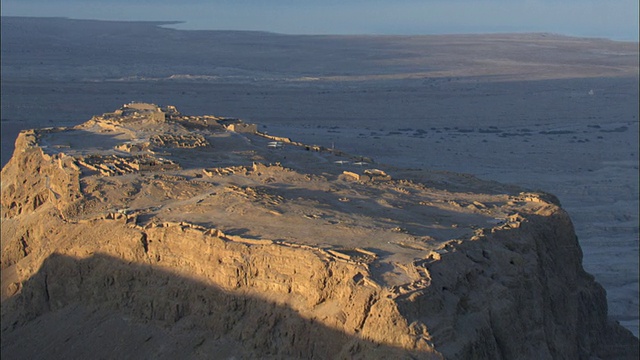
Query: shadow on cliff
point(103, 305)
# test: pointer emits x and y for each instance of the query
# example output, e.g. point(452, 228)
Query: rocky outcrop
point(54, 178)
point(514, 289)
point(272, 299)
point(518, 293)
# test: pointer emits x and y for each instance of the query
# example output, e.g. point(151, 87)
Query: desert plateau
point(227, 194)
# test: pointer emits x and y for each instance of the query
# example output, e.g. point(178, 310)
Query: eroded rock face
point(288, 260)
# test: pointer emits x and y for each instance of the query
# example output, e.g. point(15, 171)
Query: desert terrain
point(246, 244)
point(540, 111)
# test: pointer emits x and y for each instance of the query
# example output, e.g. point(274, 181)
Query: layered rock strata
point(245, 251)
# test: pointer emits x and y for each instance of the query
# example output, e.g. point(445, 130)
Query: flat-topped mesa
point(182, 222)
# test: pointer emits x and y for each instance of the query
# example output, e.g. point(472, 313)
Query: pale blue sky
point(616, 19)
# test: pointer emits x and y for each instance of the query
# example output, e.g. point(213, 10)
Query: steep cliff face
point(514, 289)
point(518, 293)
point(33, 183)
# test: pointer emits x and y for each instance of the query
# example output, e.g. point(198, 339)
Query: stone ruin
point(135, 112)
point(112, 165)
point(368, 175)
point(188, 141)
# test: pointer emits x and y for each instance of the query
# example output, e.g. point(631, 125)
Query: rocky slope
point(245, 245)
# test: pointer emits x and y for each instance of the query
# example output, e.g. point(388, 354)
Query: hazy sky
point(616, 19)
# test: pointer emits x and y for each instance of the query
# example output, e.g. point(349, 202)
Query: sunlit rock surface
point(149, 233)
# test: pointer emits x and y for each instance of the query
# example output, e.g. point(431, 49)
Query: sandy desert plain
point(543, 111)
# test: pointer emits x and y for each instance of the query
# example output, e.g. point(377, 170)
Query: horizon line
point(171, 24)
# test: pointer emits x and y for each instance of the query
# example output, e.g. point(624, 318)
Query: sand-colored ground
point(292, 193)
point(546, 112)
point(145, 217)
